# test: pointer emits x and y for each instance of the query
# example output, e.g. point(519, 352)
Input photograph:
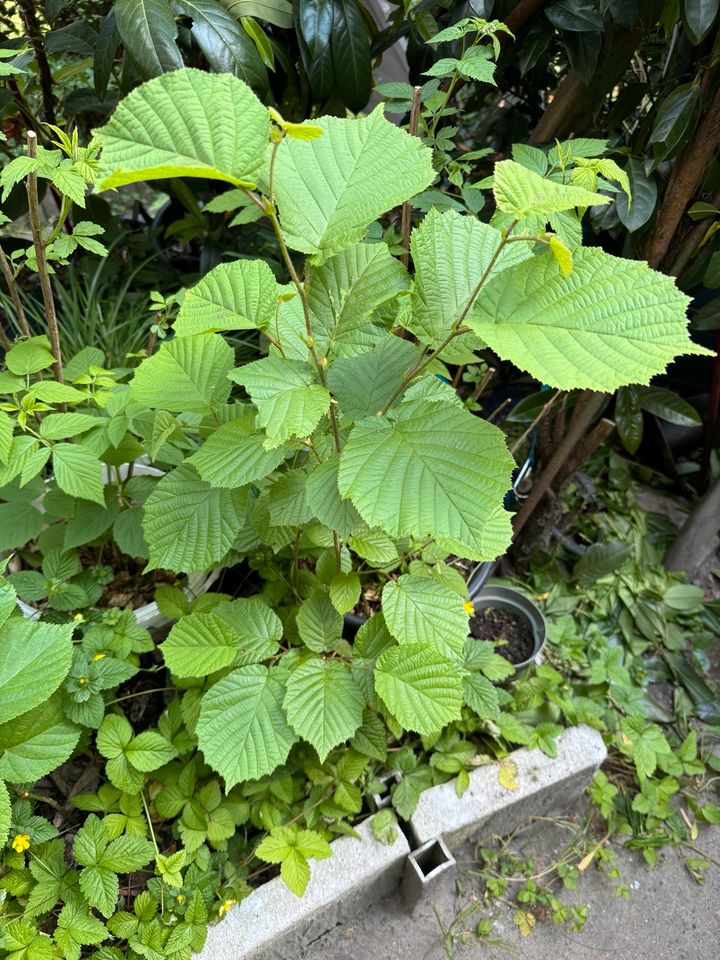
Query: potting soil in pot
point(511, 633)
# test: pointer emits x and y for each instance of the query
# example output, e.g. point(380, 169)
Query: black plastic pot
point(505, 598)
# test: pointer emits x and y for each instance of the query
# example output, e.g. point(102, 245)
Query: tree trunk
point(697, 535)
point(684, 179)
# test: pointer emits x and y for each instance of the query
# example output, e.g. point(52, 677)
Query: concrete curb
point(545, 788)
point(273, 924)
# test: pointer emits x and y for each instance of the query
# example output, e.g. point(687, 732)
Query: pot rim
point(508, 598)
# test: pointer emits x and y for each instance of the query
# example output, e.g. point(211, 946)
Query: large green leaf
point(451, 252)
point(419, 686)
point(235, 455)
point(19, 524)
point(258, 629)
point(199, 644)
point(323, 703)
point(148, 30)
point(434, 471)
point(187, 374)
point(37, 742)
point(289, 403)
point(344, 292)
point(326, 503)
point(242, 729)
point(522, 193)
point(78, 472)
point(363, 384)
point(34, 660)
point(322, 185)
point(225, 44)
point(277, 12)
point(186, 123)
point(234, 296)
point(190, 525)
point(611, 322)
point(420, 609)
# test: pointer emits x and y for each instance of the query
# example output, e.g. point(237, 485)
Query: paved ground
point(668, 917)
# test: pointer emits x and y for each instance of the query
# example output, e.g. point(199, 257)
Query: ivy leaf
point(233, 296)
point(323, 703)
point(289, 403)
point(242, 729)
point(432, 471)
point(231, 131)
point(419, 609)
point(188, 524)
point(34, 660)
point(419, 686)
point(629, 318)
point(321, 184)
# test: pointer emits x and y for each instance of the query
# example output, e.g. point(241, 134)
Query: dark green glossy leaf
point(105, 50)
point(668, 406)
point(351, 55)
point(574, 15)
point(314, 23)
point(148, 31)
point(708, 317)
point(583, 49)
point(277, 12)
point(699, 18)
point(629, 418)
point(77, 37)
point(224, 43)
point(676, 121)
point(644, 197)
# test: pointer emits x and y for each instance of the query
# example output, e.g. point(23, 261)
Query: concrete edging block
point(273, 924)
point(545, 787)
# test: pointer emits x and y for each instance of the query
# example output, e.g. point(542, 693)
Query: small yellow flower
point(79, 618)
point(99, 656)
point(542, 596)
point(21, 842)
point(469, 608)
point(180, 898)
point(225, 907)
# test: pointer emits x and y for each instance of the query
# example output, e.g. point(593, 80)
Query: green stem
point(458, 327)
